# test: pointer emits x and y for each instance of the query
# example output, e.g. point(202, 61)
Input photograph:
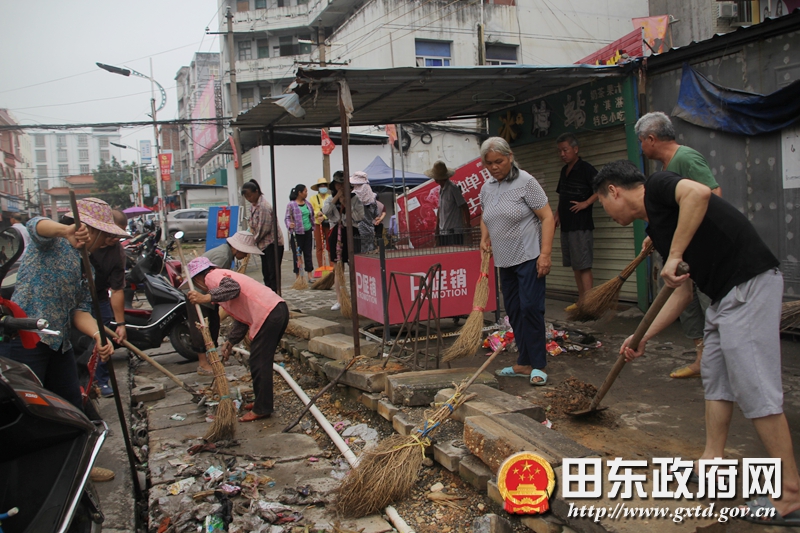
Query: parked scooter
point(47, 446)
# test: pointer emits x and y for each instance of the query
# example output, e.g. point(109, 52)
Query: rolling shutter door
point(247, 167)
point(613, 244)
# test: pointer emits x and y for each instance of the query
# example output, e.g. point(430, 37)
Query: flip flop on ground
point(763, 512)
point(538, 377)
point(508, 372)
point(683, 373)
point(251, 417)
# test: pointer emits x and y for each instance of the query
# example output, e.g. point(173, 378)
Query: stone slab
point(491, 523)
point(547, 442)
point(402, 424)
point(493, 492)
point(490, 402)
point(542, 524)
point(387, 409)
point(420, 388)
point(448, 455)
point(161, 418)
point(148, 393)
point(473, 471)
point(365, 380)
point(308, 327)
point(340, 346)
point(370, 400)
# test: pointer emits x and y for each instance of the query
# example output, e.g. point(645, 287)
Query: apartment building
point(12, 168)
point(58, 154)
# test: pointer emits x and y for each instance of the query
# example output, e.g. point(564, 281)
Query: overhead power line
point(220, 120)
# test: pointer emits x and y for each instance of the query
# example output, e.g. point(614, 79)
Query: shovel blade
point(586, 412)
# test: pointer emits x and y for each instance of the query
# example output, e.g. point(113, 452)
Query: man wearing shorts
point(731, 264)
point(574, 213)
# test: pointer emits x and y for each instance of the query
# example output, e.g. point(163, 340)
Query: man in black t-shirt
point(574, 213)
point(731, 264)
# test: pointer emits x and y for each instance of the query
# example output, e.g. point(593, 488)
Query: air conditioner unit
point(727, 10)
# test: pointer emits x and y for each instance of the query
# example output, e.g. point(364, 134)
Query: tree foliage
point(113, 182)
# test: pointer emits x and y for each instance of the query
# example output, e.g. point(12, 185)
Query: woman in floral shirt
point(51, 285)
point(262, 217)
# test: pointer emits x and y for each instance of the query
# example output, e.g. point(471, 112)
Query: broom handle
point(87, 269)
point(491, 358)
point(153, 362)
point(185, 271)
point(644, 325)
point(637, 261)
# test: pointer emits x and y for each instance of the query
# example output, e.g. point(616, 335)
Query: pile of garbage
point(561, 341)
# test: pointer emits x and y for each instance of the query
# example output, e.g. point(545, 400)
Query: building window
point(263, 48)
point(84, 169)
point(213, 71)
point(242, 5)
point(105, 156)
point(245, 50)
point(501, 54)
point(61, 141)
point(39, 141)
point(432, 53)
point(41, 156)
point(83, 140)
point(103, 141)
point(305, 48)
point(261, 4)
point(83, 155)
point(62, 156)
point(247, 98)
point(41, 171)
point(63, 170)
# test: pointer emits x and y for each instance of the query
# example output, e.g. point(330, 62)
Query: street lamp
point(162, 215)
point(138, 190)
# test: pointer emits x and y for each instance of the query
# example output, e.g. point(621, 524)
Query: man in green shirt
point(657, 135)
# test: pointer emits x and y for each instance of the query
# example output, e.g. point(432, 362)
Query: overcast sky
point(50, 48)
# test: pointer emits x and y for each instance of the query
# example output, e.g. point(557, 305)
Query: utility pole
point(234, 97)
point(326, 159)
point(162, 213)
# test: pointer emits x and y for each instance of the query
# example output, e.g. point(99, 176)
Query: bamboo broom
point(469, 339)
point(603, 297)
point(344, 296)
point(790, 315)
point(300, 283)
point(388, 472)
point(224, 425)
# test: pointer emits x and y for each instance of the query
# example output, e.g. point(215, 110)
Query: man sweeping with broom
point(257, 312)
point(730, 263)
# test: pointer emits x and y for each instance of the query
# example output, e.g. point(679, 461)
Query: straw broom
point(388, 472)
point(300, 284)
point(224, 425)
point(344, 296)
point(469, 339)
point(790, 315)
point(600, 299)
point(327, 280)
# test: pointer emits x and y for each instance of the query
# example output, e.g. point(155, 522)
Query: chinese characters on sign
point(583, 478)
point(165, 164)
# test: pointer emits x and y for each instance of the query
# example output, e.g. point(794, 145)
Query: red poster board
point(165, 163)
point(456, 287)
point(423, 201)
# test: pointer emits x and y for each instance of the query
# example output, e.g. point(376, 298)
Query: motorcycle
point(47, 446)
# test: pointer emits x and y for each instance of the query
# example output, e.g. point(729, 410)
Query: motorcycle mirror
point(178, 235)
point(11, 248)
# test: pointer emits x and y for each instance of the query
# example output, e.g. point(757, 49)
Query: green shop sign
point(596, 105)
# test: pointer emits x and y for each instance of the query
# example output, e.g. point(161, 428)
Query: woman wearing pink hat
point(51, 285)
point(257, 312)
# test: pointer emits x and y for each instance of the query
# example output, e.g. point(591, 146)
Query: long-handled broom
point(388, 472)
point(327, 280)
point(300, 284)
point(346, 307)
point(790, 315)
point(469, 340)
point(224, 425)
point(603, 297)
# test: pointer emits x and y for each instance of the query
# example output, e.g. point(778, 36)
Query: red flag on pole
point(327, 143)
point(391, 131)
point(235, 153)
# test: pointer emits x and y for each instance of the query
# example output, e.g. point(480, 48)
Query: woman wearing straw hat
point(257, 312)
point(237, 246)
point(334, 209)
point(51, 285)
point(323, 226)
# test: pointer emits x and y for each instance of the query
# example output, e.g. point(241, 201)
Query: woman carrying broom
point(334, 208)
point(257, 312)
point(518, 227)
point(300, 222)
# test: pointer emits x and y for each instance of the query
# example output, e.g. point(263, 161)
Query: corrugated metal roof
point(418, 94)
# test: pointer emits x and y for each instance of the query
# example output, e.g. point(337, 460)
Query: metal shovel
point(655, 308)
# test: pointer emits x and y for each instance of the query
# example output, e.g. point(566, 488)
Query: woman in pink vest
point(257, 312)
